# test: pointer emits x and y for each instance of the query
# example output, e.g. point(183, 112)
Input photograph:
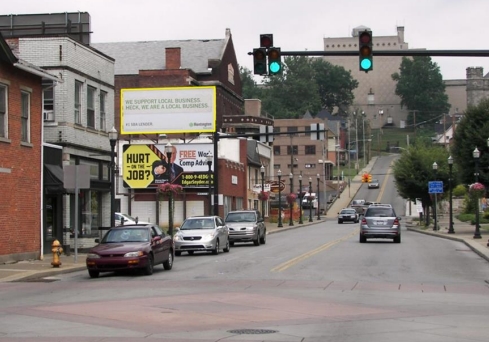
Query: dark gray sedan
point(348, 215)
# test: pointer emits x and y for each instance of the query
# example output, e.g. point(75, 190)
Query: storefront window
point(90, 209)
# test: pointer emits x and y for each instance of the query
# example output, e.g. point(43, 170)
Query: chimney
point(173, 58)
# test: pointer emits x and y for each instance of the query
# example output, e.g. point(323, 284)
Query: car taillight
point(364, 221)
point(396, 222)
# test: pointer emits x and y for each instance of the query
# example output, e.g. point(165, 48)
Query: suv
point(246, 226)
point(358, 205)
point(380, 221)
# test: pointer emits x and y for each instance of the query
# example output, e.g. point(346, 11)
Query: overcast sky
point(296, 25)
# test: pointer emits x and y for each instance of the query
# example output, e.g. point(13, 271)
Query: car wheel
point(256, 242)
point(93, 274)
point(263, 239)
point(148, 270)
point(226, 249)
point(178, 253)
point(190, 252)
point(231, 243)
point(168, 264)
point(363, 239)
point(339, 221)
point(397, 239)
point(356, 221)
point(215, 251)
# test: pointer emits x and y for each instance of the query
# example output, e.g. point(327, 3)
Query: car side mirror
point(157, 238)
point(97, 240)
point(137, 219)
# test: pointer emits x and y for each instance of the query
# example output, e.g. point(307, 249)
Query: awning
point(53, 179)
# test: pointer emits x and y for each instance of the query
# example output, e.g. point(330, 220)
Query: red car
point(137, 246)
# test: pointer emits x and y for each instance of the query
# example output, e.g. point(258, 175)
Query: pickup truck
point(359, 205)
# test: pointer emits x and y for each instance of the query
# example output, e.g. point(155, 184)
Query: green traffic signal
point(365, 50)
point(274, 61)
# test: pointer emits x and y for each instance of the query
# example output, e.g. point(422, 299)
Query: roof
point(150, 55)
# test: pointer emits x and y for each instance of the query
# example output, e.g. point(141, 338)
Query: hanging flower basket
point(169, 188)
point(291, 198)
point(477, 190)
point(263, 196)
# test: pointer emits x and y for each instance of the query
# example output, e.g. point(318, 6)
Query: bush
point(459, 191)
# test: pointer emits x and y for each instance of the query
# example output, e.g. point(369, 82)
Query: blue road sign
point(435, 187)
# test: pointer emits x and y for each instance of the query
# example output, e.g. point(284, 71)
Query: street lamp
point(300, 200)
point(337, 147)
point(357, 166)
point(291, 205)
point(279, 174)
point(209, 158)
point(476, 154)
point(112, 139)
point(310, 199)
point(262, 170)
point(363, 140)
point(435, 168)
point(450, 218)
point(318, 207)
point(169, 151)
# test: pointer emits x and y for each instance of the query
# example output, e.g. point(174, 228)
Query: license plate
point(380, 223)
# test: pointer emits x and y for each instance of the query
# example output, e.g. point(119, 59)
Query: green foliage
point(459, 191)
point(421, 89)
point(306, 84)
point(414, 169)
point(472, 132)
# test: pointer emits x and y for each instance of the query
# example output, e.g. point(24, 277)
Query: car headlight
point(178, 237)
point(93, 256)
point(209, 236)
point(250, 228)
point(133, 254)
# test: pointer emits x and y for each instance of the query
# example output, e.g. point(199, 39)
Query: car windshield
point(240, 217)
point(349, 211)
point(375, 180)
point(380, 212)
point(207, 223)
point(126, 235)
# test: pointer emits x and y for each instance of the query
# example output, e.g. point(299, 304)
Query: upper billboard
point(168, 110)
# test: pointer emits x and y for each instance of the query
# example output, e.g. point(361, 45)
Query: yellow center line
point(382, 188)
point(296, 260)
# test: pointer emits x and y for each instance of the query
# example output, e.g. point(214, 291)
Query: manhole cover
point(252, 331)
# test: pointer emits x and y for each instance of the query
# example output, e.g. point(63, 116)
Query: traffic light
point(260, 61)
point(365, 50)
point(274, 61)
point(365, 178)
point(369, 178)
point(266, 40)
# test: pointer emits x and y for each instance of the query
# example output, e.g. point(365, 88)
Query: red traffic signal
point(266, 40)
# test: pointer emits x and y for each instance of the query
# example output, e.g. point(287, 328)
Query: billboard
point(145, 166)
point(168, 110)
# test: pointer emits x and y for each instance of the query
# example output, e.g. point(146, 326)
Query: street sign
point(435, 187)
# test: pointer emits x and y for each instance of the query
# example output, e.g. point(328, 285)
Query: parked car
point(127, 247)
point(246, 226)
point(348, 215)
point(380, 221)
point(202, 233)
point(124, 219)
point(374, 184)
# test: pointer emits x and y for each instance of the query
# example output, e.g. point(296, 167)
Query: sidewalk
point(42, 270)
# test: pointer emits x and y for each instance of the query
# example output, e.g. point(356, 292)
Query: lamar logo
point(200, 124)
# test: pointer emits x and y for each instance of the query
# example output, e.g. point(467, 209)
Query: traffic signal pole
point(384, 53)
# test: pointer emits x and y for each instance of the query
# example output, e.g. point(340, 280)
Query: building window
point(276, 166)
point(276, 150)
point(103, 111)
point(276, 129)
point(292, 129)
point(310, 166)
point(78, 96)
point(307, 129)
point(25, 100)
point(48, 101)
point(310, 149)
point(295, 166)
point(94, 168)
point(91, 91)
point(292, 150)
point(3, 112)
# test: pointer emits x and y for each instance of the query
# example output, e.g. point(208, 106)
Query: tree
point(472, 132)
point(421, 89)
point(414, 169)
point(306, 84)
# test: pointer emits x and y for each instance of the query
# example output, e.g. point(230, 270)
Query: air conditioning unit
point(48, 115)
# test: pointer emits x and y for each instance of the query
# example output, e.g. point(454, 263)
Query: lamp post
point(357, 166)
point(279, 174)
point(337, 147)
point(476, 154)
point(318, 209)
point(435, 168)
point(300, 200)
point(310, 199)
point(169, 151)
point(291, 205)
point(262, 170)
point(209, 158)
point(363, 140)
point(112, 139)
point(450, 218)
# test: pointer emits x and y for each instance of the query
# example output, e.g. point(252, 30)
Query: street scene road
point(316, 283)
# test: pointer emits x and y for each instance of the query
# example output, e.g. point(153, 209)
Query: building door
point(52, 228)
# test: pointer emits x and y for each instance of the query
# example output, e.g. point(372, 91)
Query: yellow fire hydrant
point(57, 250)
